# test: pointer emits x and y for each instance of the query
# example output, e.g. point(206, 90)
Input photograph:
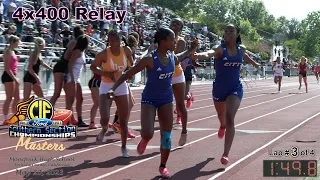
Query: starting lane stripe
point(262, 147)
point(273, 112)
point(125, 167)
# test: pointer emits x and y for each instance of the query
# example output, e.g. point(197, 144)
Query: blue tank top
point(159, 81)
point(228, 68)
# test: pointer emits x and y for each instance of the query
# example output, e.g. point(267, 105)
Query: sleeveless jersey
point(317, 68)
point(228, 68)
point(159, 81)
point(303, 68)
point(114, 63)
point(278, 68)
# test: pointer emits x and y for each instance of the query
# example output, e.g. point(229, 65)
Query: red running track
point(265, 121)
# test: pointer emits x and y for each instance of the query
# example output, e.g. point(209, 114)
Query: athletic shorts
point(277, 75)
point(68, 78)
point(6, 77)
point(220, 93)
point(303, 74)
point(61, 66)
point(120, 91)
point(94, 83)
point(29, 78)
point(155, 104)
point(179, 79)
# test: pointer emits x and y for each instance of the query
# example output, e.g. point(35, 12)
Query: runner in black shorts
point(94, 85)
point(59, 72)
point(31, 79)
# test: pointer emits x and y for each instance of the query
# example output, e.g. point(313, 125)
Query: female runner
point(157, 94)
point(60, 71)
point(94, 85)
point(227, 88)
point(316, 71)
point(113, 60)
point(9, 79)
point(75, 66)
point(303, 68)
point(31, 79)
point(278, 68)
point(132, 43)
point(178, 81)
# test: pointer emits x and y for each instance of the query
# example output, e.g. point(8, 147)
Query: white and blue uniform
point(227, 81)
point(158, 89)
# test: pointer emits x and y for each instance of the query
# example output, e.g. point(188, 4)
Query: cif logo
point(40, 112)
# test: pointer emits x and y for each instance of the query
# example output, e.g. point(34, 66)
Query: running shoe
point(82, 124)
point(299, 87)
point(130, 134)
point(183, 139)
point(93, 126)
point(100, 136)
point(116, 128)
point(164, 173)
point(192, 98)
point(142, 146)
point(178, 120)
point(4, 123)
point(224, 160)
point(221, 132)
point(125, 152)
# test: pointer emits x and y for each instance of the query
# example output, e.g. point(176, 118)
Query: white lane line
point(262, 147)
point(141, 161)
point(125, 167)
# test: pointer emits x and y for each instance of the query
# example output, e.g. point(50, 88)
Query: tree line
point(259, 28)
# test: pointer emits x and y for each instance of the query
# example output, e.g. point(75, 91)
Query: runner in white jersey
point(278, 73)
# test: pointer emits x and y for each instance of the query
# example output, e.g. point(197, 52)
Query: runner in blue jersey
point(157, 94)
point(227, 88)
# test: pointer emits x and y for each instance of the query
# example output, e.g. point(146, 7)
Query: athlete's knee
point(166, 140)
point(80, 100)
point(181, 107)
point(230, 119)
point(147, 135)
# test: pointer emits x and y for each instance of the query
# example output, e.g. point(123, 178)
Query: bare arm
point(68, 53)
point(181, 46)
point(43, 64)
point(247, 58)
point(128, 53)
point(7, 59)
point(96, 64)
point(144, 63)
point(75, 54)
point(217, 52)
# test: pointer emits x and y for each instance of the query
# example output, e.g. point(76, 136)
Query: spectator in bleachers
point(66, 35)
point(12, 30)
point(89, 30)
point(11, 8)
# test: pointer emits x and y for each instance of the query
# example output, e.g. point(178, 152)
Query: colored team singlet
point(114, 63)
point(158, 89)
point(227, 81)
point(278, 69)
